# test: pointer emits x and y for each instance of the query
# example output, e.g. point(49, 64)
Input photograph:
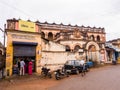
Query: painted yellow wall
point(21, 37)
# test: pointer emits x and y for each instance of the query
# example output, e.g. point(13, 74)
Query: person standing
point(82, 65)
point(30, 64)
point(82, 62)
point(22, 69)
point(18, 63)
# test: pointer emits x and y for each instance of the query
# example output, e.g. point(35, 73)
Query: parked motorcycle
point(59, 73)
point(46, 72)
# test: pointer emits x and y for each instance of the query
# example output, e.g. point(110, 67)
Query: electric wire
point(16, 9)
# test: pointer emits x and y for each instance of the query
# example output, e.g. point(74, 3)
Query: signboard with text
point(26, 26)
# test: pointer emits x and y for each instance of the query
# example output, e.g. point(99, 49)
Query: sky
point(93, 13)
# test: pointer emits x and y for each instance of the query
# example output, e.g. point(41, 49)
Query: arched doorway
point(50, 36)
point(93, 51)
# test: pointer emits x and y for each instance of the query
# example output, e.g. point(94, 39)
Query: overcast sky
point(98, 13)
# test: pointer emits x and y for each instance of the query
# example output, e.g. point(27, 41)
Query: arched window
point(42, 34)
point(98, 38)
point(67, 48)
point(92, 37)
point(50, 36)
point(76, 48)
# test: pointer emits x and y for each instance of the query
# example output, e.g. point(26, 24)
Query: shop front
point(22, 45)
point(25, 51)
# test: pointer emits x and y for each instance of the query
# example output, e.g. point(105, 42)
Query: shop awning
point(24, 43)
point(112, 47)
point(117, 49)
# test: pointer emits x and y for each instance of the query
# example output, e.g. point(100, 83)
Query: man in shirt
point(82, 65)
point(82, 62)
point(22, 69)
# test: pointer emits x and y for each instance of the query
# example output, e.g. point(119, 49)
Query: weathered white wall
point(53, 60)
point(53, 54)
point(55, 46)
point(52, 46)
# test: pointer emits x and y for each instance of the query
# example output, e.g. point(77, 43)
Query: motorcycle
point(59, 73)
point(46, 72)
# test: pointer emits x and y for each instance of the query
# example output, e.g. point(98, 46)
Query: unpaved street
point(104, 78)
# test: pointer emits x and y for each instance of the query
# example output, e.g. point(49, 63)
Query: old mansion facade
point(87, 41)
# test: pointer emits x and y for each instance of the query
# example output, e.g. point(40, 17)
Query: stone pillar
point(46, 35)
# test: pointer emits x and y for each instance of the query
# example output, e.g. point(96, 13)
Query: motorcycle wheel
point(67, 74)
point(49, 75)
point(42, 74)
point(57, 76)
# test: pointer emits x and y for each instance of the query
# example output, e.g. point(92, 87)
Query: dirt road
point(105, 78)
